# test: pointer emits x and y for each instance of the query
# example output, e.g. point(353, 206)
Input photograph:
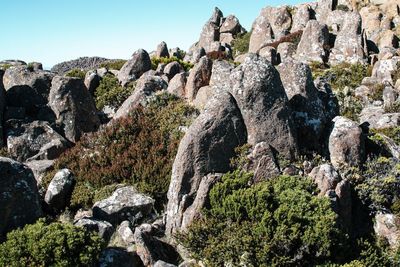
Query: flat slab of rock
point(124, 204)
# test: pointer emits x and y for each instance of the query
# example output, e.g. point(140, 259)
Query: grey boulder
point(59, 191)
point(103, 228)
point(135, 67)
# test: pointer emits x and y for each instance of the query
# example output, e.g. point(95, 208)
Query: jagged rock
point(13, 62)
point(390, 145)
point(262, 163)
point(146, 86)
point(83, 63)
point(73, 106)
point(286, 51)
point(378, 119)
point(309, 116)
point(210, 32)
point(40, 168)
point(388, 39)
point(204, 94)
point(36, 66)
point(103, 228)
point(314, 43)
point(346, 143)
point(384, 69)
point(262, 100)
point(35, 140)
point(232, 25)
point(206, 148)
point(151, 249)
point(124, 204)
point(261, 33)
point(323, 8)
point(27, 88)
point(220, 74)
point(135, 67)
point(349, 43)
point(387, 226)
point(177, 85)
point(92, 81)
point(60, 189)
point(19, 202)
point(163, 264)
point(111, 257)
point(125, 232)
point(389, 96)
point(269, 53)
point(171, 69)
point(300, 19)
point(162, 50)
point(199, 76)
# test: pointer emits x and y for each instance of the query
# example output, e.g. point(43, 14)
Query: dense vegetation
point(76, 73)
point(113, 65)
point(110, 93)
point(240, 45)
point(54, 244)
point(137, 150)
point(165, 60)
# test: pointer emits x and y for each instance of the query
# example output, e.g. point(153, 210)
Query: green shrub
point(394, 108)
point(240, 45)
point(110, 93)
point(52, 244)
point(165, 60)
point(5, 66)
point(377, 92)
point(76, 73)
point(392, 132)
point(113, 64)
point(343, 8)
point(280, 222)
point(137, 150)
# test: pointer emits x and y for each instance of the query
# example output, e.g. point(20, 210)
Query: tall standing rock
point(135, 67)
point(162, 50)
point(206, 148)
point(199, 76)
point(301, 18)
point(73, 106)
point(261, 33)
point(349, 43)
point(262, 100)
point(346, 144)
point(19, 197)
point(314, 43)
point(210, 32)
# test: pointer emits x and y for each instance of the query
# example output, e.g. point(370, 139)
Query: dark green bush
point(240, 45)
point(394, 108)
point(76, 73)
point(165, 60)
point(138, 150)
point(110, 93)
point(280, 222)
point(113, 64)
point(54, 244)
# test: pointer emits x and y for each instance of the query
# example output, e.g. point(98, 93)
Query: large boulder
point(387, 226)
point(103, 228)
point(59, 192)
point(73, 106)
point(199, 76)
point(210, 32)
point(349, 43)
point(135, 67)
point(177, 84)
point(384, 69)
point(35, 140)
point(92, 81)
point(301, 17)
point(150, 249)
point(124, 204)
point(146, 87)
point(262, 100)
point(314, 43)
point(206, 148)
point(162, 50)
point(346, 144)
point(261, 33)
point(309, 112)
point(27, 88)
point(19, 201)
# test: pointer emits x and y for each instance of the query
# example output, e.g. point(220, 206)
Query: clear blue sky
point(51, 31)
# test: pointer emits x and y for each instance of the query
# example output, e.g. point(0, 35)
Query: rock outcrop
point(83, 63)
point(59, 191)
point(135, 67)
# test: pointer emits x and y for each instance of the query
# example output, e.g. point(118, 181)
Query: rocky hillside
point(273, 146)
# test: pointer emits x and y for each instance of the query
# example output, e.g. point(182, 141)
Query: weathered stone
point(384, 69)
point(34, 141)
point(262, 100)
point(27, 88)
point(146, 86)
point(346, 144)
point(135, 67)
point(124, 204)
point(206, 148)
point(60, 189)
point(171, 69)
point(309, 115)
point(162, 50)
point(387, 226)
point(388, 39)
point(19, 201)
point(74, 107)
point(262, 163)
point(163, 264)
point(302, 16)
point(210, 32)
point(349, 43)
point(329, 100)
point(261, 33)
point(326, 177)
point(286, 51)
point(111, 257)
point(199, 76)
point(103, 228)
point(204, 94)
point(232, 25)
point(176, 85)
point(378, 119)
point(269, 53)
point(151, 249)
point(314, 43)
point(92, 81)
point(40, 168)
point(124, 230)
point(83, 63)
